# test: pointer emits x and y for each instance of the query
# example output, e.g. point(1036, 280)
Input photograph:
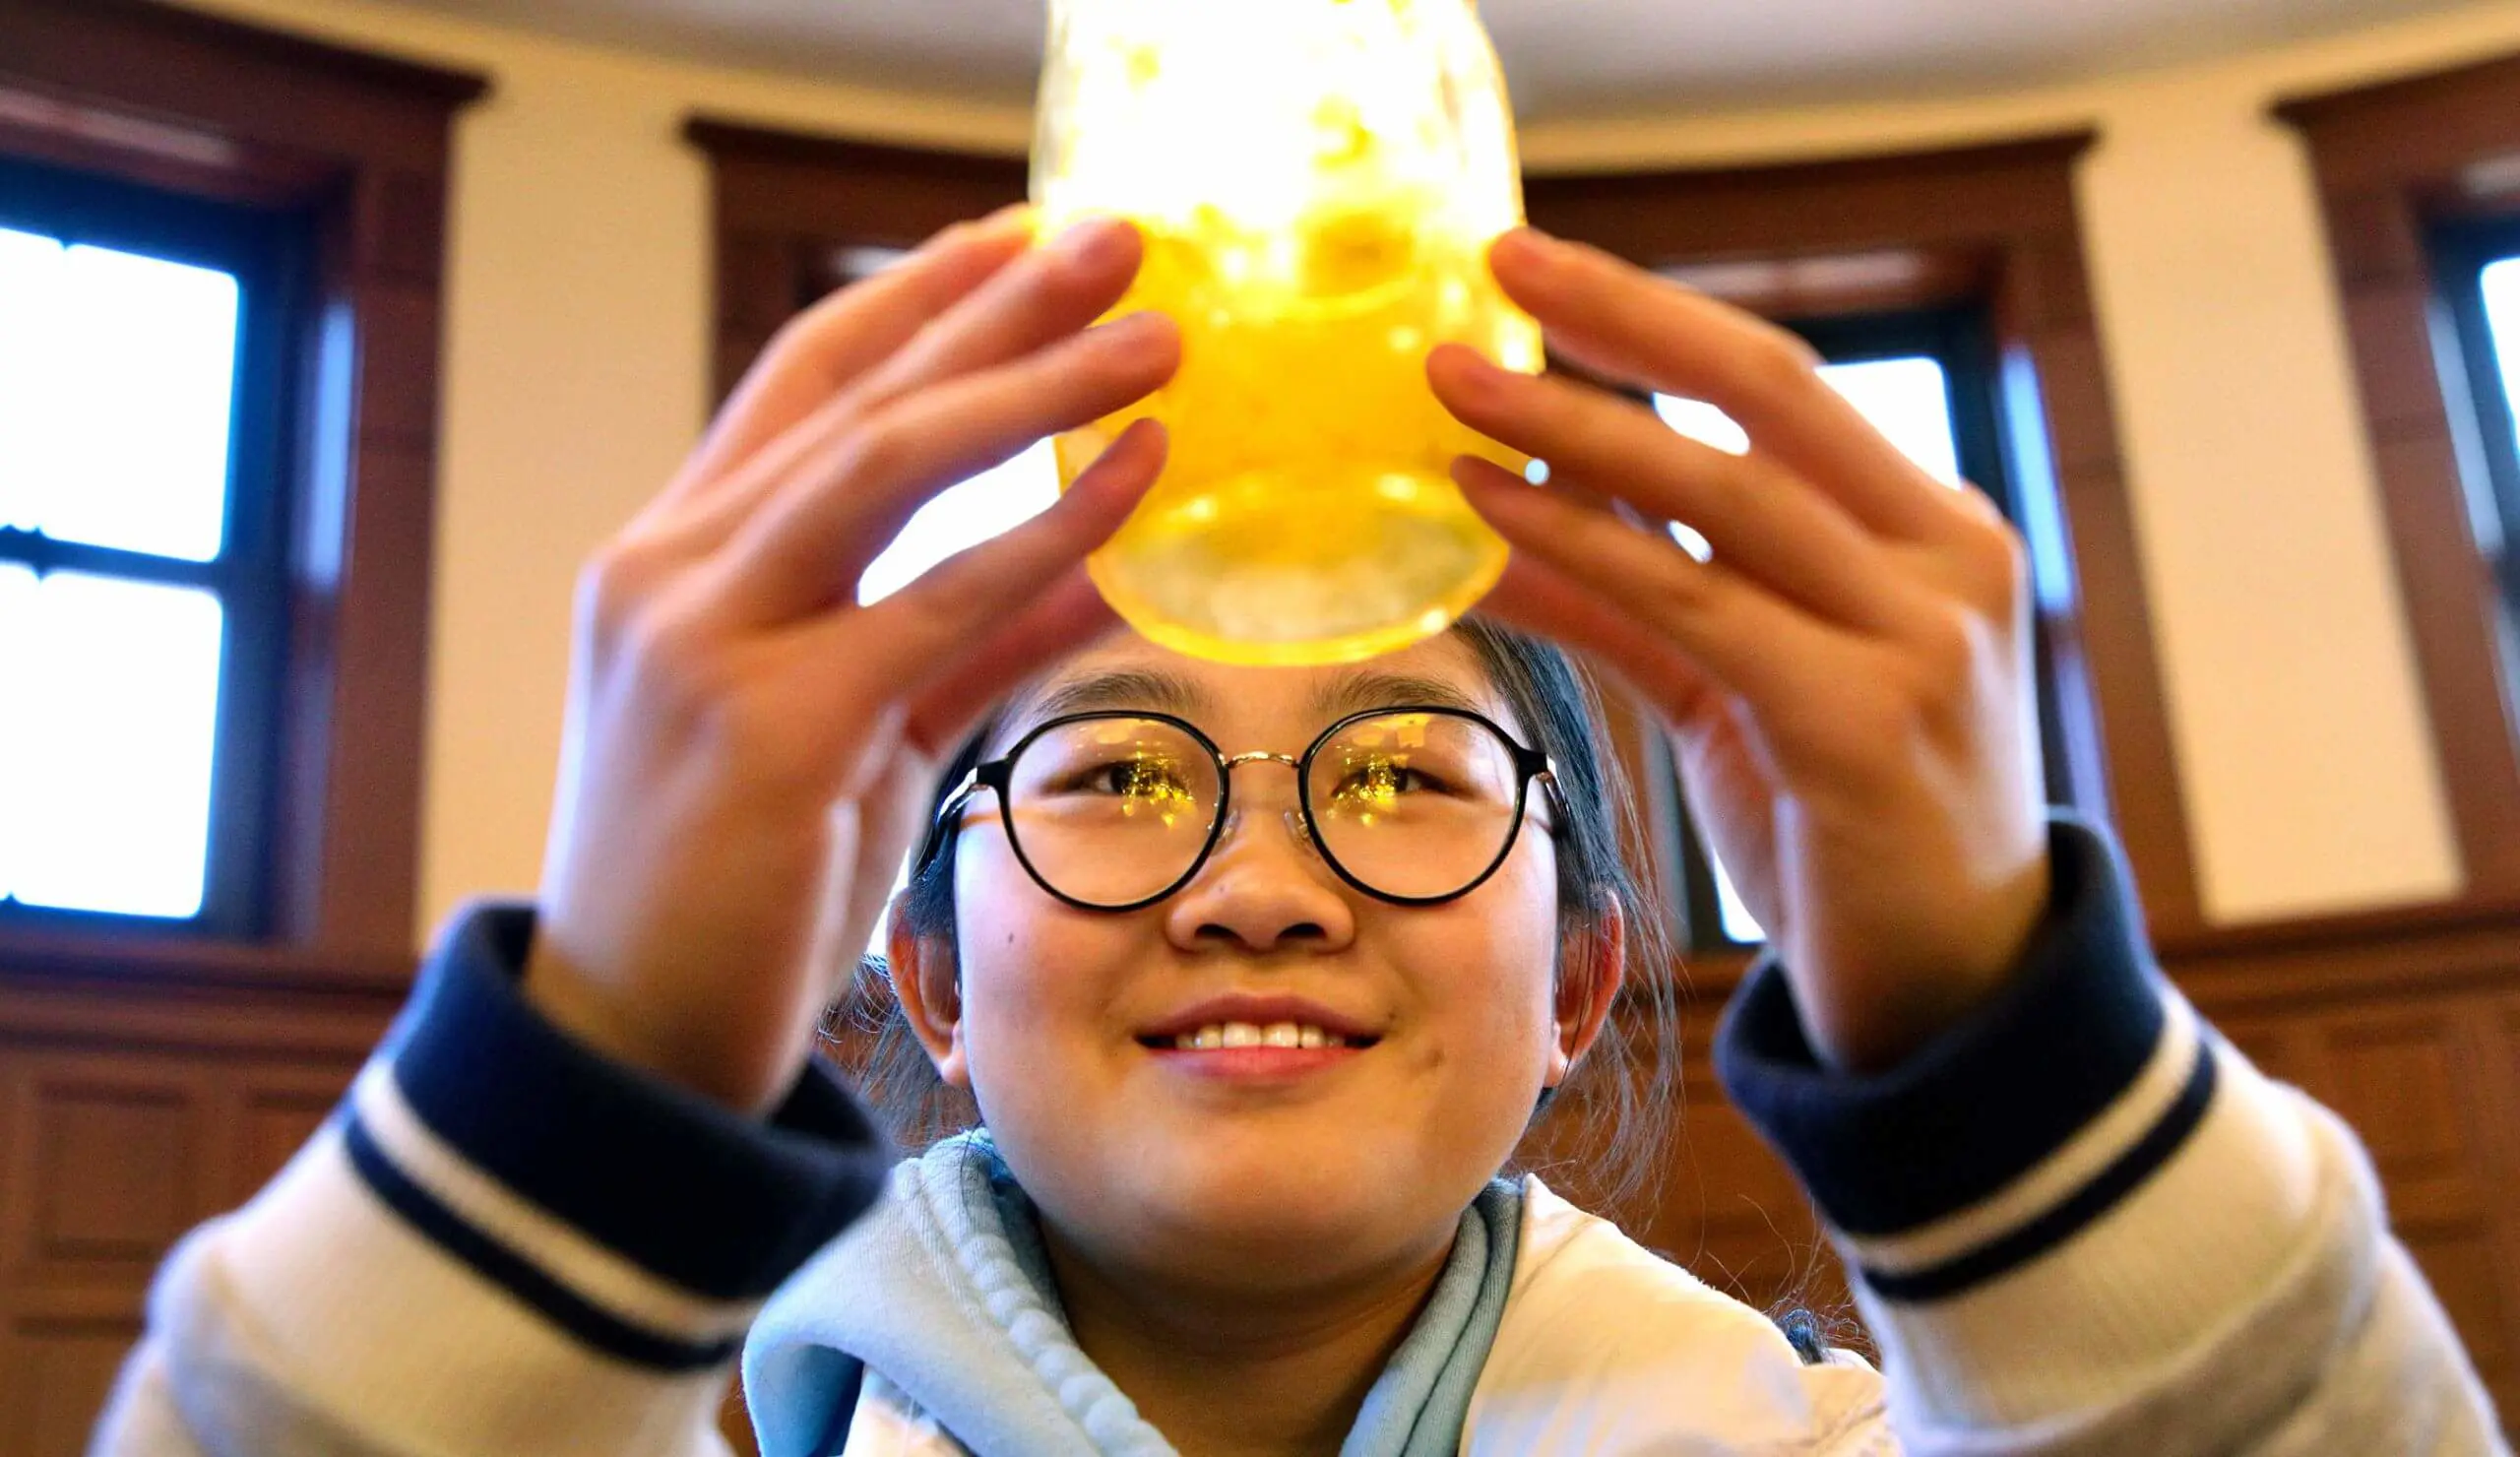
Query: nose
point(1265, 887)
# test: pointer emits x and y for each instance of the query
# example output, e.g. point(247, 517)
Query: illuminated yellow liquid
point(1317, 182)
point(1307, 513)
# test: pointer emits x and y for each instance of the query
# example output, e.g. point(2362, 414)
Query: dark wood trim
point(2393, 160)
point(727, 141)
point(785, 203)
point(1995, 224)
point(357, 147)
point(442, 88)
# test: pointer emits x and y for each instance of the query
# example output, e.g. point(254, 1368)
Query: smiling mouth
point(1242, 1035)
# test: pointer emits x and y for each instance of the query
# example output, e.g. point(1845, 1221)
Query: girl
point(1257, 976)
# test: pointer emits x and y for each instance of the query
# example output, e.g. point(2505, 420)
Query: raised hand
point(1848, 680)
point(747, 747)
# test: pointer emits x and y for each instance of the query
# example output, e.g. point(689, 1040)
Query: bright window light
point(1908, 400)
point(1740, 925)
point(106, 742)
point(2503, 319)
point(963, 515)
point(117, 379)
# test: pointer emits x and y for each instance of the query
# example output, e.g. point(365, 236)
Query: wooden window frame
point(2393, 162)
point(359, 145)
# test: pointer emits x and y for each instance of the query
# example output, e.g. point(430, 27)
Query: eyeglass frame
point(996, 774)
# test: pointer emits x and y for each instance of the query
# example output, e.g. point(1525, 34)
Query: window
point(141, 577)
point(2419, 180)
point(2478, 268)
point(1925, 380)
point(220, 253)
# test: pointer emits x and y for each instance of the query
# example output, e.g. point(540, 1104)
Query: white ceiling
point(1564, 58)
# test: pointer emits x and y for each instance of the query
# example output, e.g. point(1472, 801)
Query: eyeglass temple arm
point(946, 814)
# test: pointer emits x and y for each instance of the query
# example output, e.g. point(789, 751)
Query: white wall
point(577, 358)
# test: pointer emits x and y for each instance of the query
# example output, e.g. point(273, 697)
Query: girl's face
point(1144, 1158)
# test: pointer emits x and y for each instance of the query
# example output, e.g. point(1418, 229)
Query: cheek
point(1036, 993)
point(1487, 989)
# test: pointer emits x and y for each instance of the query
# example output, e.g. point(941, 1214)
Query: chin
point(1281, 1214)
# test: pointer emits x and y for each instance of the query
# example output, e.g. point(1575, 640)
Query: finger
point(1050, 293)
point(1543, 600)
point(1616, 320)
point(808, 544)
point(1068, 615)
point(1755, 644)
point(1046, 296)
point(827, 348)
point(923, 633)
point(1763, 521)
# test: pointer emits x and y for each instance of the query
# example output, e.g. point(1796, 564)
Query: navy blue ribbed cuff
point(721, 1205)
point(1987, 1101)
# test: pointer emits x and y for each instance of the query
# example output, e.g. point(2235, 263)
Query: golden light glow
point(1318, 181)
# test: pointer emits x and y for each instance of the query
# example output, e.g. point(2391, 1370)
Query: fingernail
point(1473, 371)
point(1532, 247)
point(1139, 333)
point(1096, 243)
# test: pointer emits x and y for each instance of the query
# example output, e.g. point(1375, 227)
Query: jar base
point(1264, 570)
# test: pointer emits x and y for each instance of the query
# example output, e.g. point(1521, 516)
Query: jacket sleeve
point(499, 1243)
point(2083, 1223)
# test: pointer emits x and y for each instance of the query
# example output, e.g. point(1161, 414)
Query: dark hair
point(1628, 1082)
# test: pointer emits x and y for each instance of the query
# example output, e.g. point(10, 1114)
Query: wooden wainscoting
point(123, 1123)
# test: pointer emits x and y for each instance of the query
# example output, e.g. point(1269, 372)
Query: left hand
point(1848, 683)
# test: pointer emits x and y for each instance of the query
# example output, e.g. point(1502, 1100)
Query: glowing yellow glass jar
point(1318, 181)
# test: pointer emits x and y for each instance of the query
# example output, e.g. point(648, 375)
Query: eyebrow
point(1126, 688)
point(1171, 693)
point(1358, 691)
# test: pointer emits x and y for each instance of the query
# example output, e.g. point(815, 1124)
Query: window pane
point(966, 515)
point(2503, 319)
point(106, 743)
point(1908, 400)
point(118, 374)
point(16, 610)
point(1739, 923)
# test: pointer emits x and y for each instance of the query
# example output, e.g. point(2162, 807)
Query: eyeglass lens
point(1113, 811)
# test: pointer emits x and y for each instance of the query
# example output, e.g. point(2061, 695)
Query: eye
point(1137, 778)
point(1386, 780)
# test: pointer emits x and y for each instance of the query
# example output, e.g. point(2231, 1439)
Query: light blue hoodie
point(945, 1289)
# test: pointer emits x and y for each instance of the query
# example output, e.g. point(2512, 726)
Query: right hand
point(747, 750)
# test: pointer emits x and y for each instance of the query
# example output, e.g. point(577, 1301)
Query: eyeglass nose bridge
point(1293, 815)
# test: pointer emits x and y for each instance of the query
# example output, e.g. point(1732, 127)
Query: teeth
point(1251, 1034)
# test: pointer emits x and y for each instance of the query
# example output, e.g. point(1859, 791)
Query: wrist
point(1871, 1020)
point(583, 1009)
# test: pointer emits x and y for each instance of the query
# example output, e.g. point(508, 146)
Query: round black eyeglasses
point(1116, 809)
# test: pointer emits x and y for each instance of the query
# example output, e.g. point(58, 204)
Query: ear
point(1590, 970)
point(929, 983)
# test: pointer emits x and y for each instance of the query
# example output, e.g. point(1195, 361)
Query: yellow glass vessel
point(1318, 181)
